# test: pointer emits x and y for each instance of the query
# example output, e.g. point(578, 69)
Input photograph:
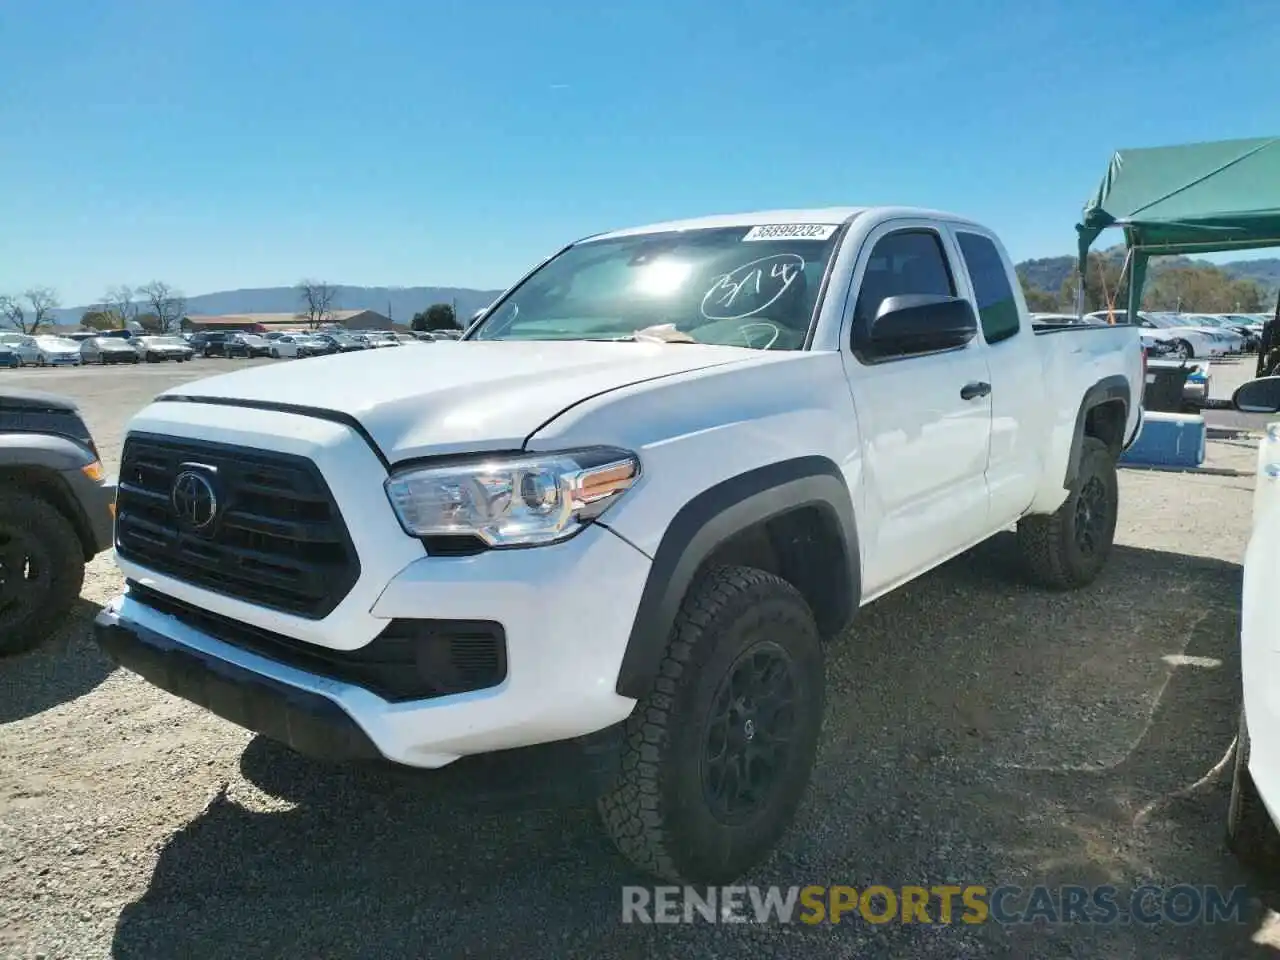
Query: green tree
point(438, 316)
point(1200, 288)
point(1040, 301)
point(1103, 284)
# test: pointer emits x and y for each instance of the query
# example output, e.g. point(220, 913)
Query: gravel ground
point(978, 731)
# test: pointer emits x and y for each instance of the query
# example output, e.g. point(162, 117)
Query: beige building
point(267, 322)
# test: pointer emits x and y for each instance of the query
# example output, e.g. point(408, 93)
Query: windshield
point(57, 343)
point(739, 286)
point(251, 339)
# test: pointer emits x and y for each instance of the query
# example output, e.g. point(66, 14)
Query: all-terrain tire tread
point(630, 809)
point(38, 515)
point(1042, 539)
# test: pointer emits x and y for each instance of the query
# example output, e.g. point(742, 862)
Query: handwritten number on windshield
point(738, 294)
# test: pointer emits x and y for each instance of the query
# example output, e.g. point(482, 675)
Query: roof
point(823, 215)
point(1192, 198)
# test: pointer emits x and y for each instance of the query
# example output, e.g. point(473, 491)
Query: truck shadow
point(66, 666)
point(968, 739)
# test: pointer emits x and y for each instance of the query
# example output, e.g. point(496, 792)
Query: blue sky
point(252, 142)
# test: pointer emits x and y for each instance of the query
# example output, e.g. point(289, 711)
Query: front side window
point(745, 286)
point(907, 262)
point(997, 307)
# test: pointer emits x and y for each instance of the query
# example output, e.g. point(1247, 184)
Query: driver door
point(924, 420)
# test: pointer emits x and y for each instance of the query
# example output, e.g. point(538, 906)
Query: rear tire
point(41, 570)
point(1068, 549)
point(1251, 834)
point(718, 754)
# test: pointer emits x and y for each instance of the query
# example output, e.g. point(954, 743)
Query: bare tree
point(167, 305)
point(317, 299)
point(31, 312)
point(120, 306)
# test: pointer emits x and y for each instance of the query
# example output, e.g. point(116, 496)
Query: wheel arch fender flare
point(1107, 390)
point(50, 466)
point(708, 521)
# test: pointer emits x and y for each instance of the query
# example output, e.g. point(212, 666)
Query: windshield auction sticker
point(791, 231)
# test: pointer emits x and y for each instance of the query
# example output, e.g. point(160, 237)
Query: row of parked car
point(1182, 336)
point(297, 345)
point(77, 349)
point(124, 346)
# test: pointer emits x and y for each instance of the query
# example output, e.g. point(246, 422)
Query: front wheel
point(718, 753)
point(41, 570)
point(1251, 834)
point(41, 362)
point(1069, 548)
point(1183, 350)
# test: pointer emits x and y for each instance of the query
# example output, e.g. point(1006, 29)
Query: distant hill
point(1047, 273)
point(403, 302)
point(1265, 272)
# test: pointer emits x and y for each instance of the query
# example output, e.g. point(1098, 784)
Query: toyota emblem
point(193, 499)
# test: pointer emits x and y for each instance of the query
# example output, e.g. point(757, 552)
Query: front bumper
point(96, 500)
point(306, 721)
point(564, 646)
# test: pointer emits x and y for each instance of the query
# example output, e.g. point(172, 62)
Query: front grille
point(408, 660)
point(276, 538)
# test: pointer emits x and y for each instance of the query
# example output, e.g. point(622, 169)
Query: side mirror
point(921, 323)
point(1258, 396)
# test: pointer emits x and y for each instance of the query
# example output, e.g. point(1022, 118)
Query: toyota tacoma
point(628, 510)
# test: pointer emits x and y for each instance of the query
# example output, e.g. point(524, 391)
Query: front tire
point(1068, 549)
point(1251, 834)
point(1183, 350)
point(718, 753)
point(41, 570)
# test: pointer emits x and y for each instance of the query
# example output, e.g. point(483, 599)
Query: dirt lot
point(978, 731)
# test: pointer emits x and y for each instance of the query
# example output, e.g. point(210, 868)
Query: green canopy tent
point(1190, 199)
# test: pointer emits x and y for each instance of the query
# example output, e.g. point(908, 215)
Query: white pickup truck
point(627, 510)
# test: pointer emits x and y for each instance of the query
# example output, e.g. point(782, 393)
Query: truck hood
point(454, 397)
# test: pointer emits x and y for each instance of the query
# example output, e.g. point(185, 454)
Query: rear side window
point(997, 307)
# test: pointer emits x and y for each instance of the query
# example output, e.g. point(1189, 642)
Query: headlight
point(516, 500)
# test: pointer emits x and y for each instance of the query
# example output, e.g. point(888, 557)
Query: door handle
point(971, 391)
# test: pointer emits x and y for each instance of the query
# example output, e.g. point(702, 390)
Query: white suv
point(1255, 788)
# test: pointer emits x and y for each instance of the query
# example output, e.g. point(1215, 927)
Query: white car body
point(1219, 327)
point(928, 474)
point(895, 427)
point(1202, 342)
point(23, 345)
point(1259, 650)
point(56, 352)
point(286, 346)
point(1255, 795)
